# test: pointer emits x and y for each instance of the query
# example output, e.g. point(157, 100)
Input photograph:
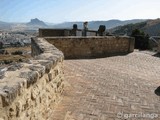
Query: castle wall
point(54, 32)
point(63, 32)
point(91, 47)
point(30, 92)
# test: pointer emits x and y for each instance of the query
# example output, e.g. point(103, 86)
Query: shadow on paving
point(157, 55)
point(157, 91)
point(95, 56)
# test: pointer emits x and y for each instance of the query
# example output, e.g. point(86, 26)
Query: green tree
point(141, 39)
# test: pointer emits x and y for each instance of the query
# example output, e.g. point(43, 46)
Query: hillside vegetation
point(150, 27)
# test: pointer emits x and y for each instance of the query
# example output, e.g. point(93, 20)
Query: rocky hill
point(36, 22)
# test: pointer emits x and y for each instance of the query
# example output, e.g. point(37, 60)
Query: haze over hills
point(95, 24)
point(150, 27)
point(5, 25)
point(36, 23)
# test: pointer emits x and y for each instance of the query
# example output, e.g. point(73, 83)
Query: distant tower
point(85, 28)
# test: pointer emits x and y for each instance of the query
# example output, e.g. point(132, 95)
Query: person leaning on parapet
point(85, 25)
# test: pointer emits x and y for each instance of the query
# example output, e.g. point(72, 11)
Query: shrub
point(141, 39)
point(17, 53)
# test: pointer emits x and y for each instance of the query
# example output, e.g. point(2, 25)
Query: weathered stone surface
point(15, 67)
point(29, 91)
point(2, 74)
point(40, 69)
point(92, 47)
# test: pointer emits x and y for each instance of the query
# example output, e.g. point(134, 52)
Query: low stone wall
point(44, 32)
point(54, 32)
point(88, 47)
point(30, 92)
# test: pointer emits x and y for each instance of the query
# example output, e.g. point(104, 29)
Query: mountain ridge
point(150, 27)
point(36, 23)
point(95, 24)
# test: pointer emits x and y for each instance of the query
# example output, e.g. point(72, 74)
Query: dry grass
point(13, 49)
point(13, 57)
point(16, 58)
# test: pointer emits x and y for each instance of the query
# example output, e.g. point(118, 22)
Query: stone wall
point(30, 92)
point(64, 32)
point(54, 32)
point(90, 47)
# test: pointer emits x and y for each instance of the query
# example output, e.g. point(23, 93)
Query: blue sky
point(56, 11)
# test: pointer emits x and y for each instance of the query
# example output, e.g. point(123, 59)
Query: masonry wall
point(54, 32)
point(90, 47)
point(63, 32)
point(30, 92)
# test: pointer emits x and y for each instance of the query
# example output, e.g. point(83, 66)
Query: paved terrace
point(99, 89)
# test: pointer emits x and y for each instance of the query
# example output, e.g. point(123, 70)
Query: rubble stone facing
point(30, 92)
point(92, 47)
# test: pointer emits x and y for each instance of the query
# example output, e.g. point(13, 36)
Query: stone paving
point(112, 88)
